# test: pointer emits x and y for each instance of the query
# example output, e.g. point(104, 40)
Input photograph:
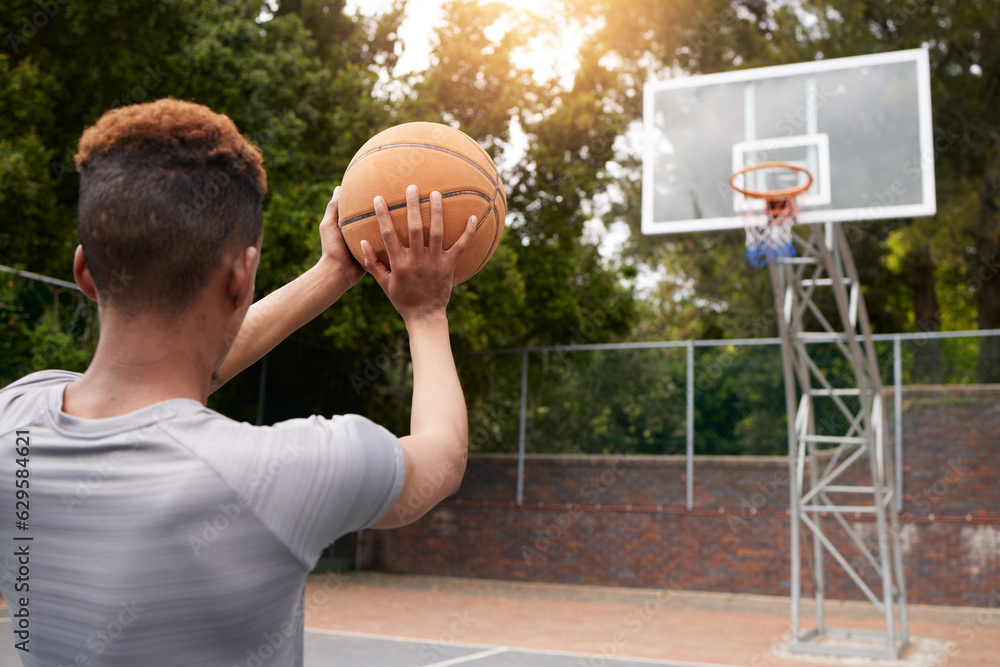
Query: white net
point(766, 198)
point(769, 233)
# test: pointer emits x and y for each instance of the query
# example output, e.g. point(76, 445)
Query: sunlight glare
point(550, 56)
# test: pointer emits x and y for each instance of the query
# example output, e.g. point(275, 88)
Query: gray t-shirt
point(173, 535)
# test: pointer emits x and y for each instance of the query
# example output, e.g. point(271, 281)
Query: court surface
point(360, 619)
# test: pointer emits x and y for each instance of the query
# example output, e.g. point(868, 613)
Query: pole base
point(842, 646)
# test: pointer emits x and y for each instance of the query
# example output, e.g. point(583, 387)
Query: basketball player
point(157, 531)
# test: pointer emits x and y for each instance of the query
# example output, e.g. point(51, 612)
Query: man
point(153, 530)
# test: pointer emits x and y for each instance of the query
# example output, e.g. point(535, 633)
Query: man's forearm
point(278, 315)
point(438, 400)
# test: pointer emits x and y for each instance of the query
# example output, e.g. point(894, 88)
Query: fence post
point(897, 416)
point(522, 426)
point(689, 425)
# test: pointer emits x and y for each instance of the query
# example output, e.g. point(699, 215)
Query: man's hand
point(420, 281)
point(336, 258)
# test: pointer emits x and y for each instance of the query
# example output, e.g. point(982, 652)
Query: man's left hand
point(336, 257)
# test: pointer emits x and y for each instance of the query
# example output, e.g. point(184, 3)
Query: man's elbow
point(458, 474)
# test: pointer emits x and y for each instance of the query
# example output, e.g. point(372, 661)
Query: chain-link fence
point(46, 323)
point(635, 398)
point(690, 398)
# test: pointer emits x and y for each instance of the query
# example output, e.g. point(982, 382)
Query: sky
point(422, 16)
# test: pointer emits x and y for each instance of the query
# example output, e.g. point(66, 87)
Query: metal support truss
point(839, 467)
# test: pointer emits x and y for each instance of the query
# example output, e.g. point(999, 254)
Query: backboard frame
point(877, 210)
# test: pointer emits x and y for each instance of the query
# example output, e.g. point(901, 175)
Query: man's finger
point(373, 265)
point(459, 246)
point(332, 208)
point(414, 221)
point(436, 237)
point(389, 238)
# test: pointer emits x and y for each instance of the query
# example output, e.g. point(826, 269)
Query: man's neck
point(143, 361)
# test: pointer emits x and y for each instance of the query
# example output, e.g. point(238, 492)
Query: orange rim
point(772, 194)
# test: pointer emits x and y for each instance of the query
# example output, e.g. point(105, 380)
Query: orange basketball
point(432, 156)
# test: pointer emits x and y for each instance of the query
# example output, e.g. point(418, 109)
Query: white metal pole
point(897, 416)
point(522, 427)
point(690, 425)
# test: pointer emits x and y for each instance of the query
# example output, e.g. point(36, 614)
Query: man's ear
point(242, 275)
point(81, 274)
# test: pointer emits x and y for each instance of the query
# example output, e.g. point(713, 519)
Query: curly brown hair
point(165, 188)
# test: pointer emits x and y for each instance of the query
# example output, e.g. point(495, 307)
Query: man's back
point(172, 531)
point(154, 530)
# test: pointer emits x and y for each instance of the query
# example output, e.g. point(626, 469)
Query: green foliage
point(309, 84)
point(43, 327)
point(917, 273)
point(27, 195)
point(618, 401)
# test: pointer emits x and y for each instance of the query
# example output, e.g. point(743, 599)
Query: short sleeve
point(312, 480)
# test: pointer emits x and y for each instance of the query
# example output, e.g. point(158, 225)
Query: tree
point(959, 245)
point(28, 194)
point(309, 84)
point(918, 274)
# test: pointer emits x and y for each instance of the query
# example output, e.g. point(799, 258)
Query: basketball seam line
point(493, 243)
point(423, 200)
point(419, 145)
point(498, 227)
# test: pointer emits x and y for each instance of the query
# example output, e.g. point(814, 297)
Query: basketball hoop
point(769, 230)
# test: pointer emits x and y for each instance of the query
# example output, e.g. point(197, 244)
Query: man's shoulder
point(347, 427)
point(39, 380)
point(31, 387)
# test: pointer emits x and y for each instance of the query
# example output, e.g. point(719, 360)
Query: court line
point(517, 649)
point(469, 658)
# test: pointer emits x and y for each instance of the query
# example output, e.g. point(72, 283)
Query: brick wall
point(619, 521)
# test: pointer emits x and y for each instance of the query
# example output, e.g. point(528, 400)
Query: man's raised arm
point(419, 287)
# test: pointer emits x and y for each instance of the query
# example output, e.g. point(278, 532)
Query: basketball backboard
point(860, 125)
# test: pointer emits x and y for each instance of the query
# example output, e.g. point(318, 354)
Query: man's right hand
point(419, 283)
